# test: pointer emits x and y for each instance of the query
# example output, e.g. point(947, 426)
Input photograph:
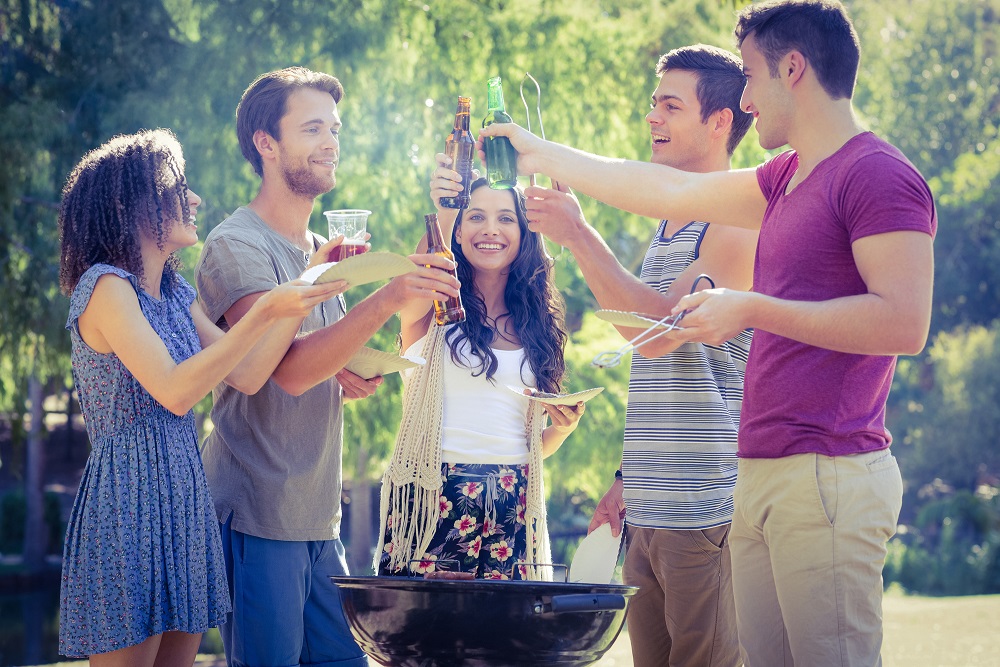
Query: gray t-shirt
point(273, 460)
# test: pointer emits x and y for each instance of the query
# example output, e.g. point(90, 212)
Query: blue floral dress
point(143, 553)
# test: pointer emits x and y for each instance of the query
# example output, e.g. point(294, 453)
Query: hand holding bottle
point(433, 279)
point(530, 148)
point(501, 158)
point(448, 310)
point(446, 182)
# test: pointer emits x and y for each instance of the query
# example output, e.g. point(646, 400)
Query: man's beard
point(302, 181)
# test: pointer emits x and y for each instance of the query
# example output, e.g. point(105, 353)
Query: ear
point(458, 232)
point(793, 67)
point(723, 121)
point(265, 143)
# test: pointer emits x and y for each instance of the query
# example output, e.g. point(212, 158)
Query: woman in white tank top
point(464, 489)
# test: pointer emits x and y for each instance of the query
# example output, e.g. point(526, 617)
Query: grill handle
point(587, 602)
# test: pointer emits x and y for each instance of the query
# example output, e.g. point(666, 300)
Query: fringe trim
point(414, 472)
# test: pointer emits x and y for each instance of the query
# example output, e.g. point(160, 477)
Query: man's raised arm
point(653, 190)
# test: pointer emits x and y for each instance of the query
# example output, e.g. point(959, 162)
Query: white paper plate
point(361, 269)
point(634, 320)
point(368, 362)
point(596, 557)
point(560, 399)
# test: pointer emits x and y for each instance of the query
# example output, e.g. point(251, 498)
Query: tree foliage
point(74, 73)
point(929, 83)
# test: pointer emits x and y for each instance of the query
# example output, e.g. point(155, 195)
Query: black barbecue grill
point(410, 622)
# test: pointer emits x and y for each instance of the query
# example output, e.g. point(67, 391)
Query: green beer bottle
point(501, 158)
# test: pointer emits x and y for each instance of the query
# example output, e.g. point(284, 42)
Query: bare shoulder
point(410, 331)
point(727, 240)
point(727, 254)
point(112, 290)
point(113, 304)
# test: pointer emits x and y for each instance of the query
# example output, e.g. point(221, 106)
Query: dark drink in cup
point(349, 248)
point(350, 223)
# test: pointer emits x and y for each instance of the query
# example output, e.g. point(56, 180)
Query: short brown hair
point(818, 29)
point(264, 104)
point(720, 84)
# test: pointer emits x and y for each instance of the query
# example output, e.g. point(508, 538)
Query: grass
point(941, 632)
point(919, 632)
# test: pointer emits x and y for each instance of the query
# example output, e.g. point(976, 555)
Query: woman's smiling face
point(489, 233)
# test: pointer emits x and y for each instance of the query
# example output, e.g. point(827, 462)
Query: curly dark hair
point(133, 183)
point(536, 308)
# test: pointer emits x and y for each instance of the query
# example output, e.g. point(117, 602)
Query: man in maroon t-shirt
point(842, 284)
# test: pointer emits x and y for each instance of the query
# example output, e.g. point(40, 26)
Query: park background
point(73, 73)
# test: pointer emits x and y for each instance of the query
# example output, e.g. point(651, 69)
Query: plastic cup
point(352, 223)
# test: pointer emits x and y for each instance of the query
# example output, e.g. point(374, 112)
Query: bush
point(954, 548)
point(12, 513)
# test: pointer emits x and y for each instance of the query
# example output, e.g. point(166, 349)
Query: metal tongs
point(669, 322)
point(541, 133)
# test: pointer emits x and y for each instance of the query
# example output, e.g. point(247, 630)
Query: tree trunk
point(70, 431)
point(360, 549)
point(35, 532)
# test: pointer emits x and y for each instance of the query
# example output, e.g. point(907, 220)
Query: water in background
point(29, 626)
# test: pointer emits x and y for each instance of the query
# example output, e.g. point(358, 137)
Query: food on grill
point(449, 575)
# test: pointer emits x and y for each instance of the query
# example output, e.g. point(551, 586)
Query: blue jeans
point(286, 611)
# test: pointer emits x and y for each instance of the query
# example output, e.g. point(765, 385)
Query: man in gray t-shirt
point(274, 458)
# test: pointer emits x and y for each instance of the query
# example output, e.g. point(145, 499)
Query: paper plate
point(368, 362)
point(634, 320)
point(559, 399)
point(596, 557)
point(361, 269)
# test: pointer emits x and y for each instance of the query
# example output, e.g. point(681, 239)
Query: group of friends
point(756, 486)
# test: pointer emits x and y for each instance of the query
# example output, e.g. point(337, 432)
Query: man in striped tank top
point(679, 461)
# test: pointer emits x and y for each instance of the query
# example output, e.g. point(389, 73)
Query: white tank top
point(484, 422)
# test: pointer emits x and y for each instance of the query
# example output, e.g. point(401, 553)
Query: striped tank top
point(679, 460)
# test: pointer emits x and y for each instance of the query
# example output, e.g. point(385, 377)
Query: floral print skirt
point(481, 529)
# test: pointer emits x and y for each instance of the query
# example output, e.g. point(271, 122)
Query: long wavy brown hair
point(132, 184)
point(536, 308)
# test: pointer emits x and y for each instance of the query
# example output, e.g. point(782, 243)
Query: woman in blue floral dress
point(143, 575)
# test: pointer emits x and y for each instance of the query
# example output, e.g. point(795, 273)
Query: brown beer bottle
point(460, 146)
point(450, 310)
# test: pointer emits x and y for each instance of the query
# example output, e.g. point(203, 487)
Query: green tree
point(61, 65)
point(954, 426)
point(930, 85)
point(74, 74)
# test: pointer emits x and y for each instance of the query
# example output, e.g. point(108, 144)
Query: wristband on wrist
point(618, 474)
